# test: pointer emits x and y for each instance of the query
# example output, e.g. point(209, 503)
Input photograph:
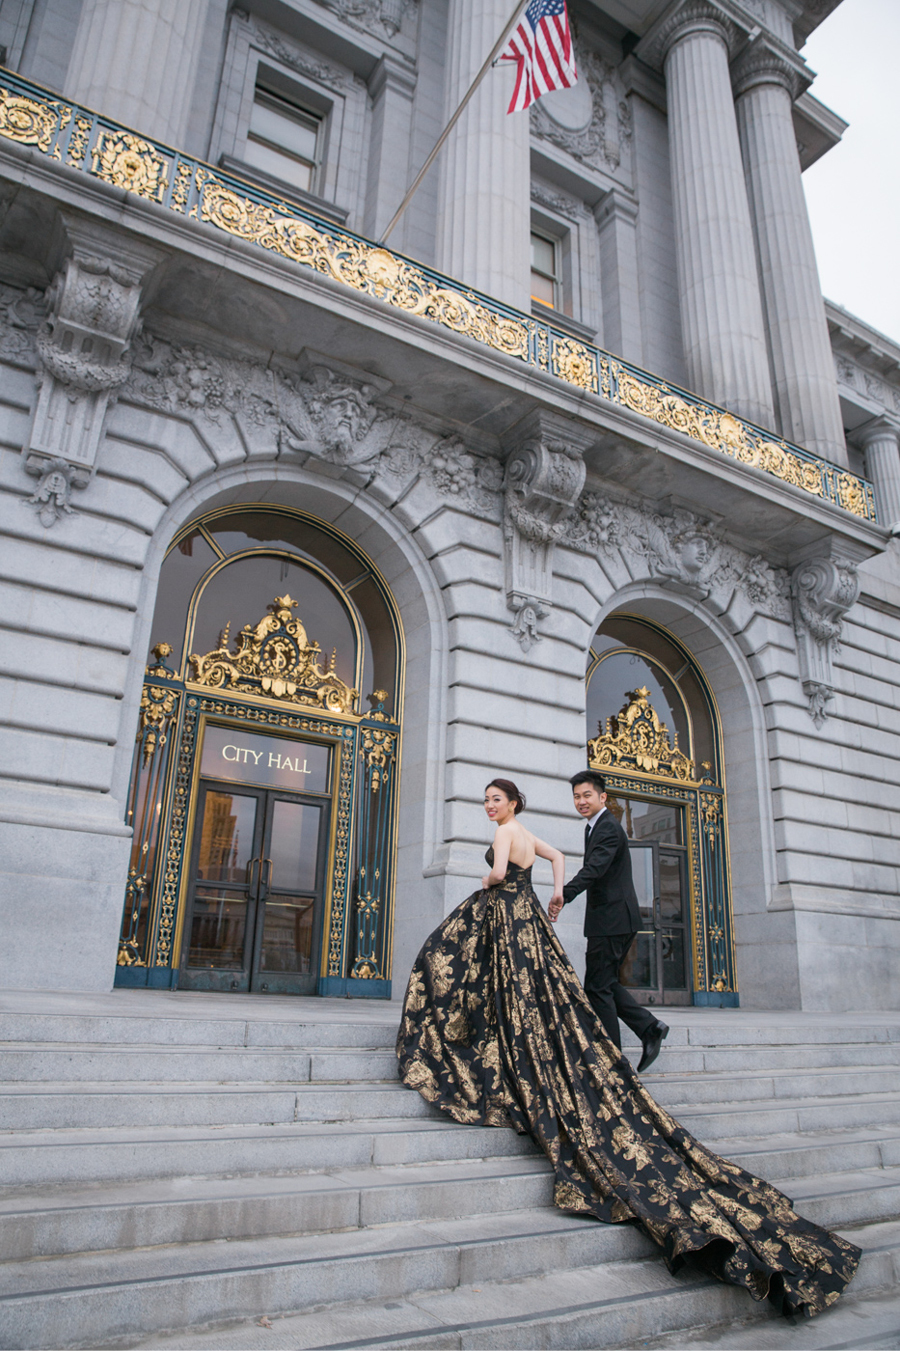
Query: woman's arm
point(558, 864)
point(501, 845)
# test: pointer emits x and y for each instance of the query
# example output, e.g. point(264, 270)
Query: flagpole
point(495, 52)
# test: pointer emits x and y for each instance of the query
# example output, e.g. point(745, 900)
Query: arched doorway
point(658, 744)
point(264, 785)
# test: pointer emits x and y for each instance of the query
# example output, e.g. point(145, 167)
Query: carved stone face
point(56, 484)
point(345, 421)
point(694, 553)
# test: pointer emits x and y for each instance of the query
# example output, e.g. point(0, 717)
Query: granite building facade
point(306, 534)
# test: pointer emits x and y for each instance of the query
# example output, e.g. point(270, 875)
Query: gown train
point(497, 1031)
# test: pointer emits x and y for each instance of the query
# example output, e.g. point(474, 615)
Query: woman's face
point(497, 804)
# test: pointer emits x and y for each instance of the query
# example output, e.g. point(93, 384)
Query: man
point(611, 917)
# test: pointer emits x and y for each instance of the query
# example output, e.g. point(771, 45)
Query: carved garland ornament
point(275, 658)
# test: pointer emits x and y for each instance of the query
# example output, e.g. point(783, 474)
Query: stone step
point(186, 1209)
point(279, 1034)
point(197, 1210)
point(95, 1298)
point(58, 1157)
point(131, 1017)
point(711, 1123)
point(249, 1040)
point(779, 1059)
point(816, 1152)
point(54, 1063)
point(68, 1061)
point(61, 1157)
point(524, 1281)
point(870, 1322)
point(836, 1199)
point(42, 1106)
point(755, 1085)
point(840, 1099)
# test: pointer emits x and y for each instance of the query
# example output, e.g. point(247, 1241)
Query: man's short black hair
point(589, 776)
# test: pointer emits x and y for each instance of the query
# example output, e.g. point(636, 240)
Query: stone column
point(766, 81)
point(484, 194)
point(135, 61)
point(721, 310)
point(881, 442)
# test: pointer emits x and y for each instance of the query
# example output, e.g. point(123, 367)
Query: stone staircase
point(174, 1168)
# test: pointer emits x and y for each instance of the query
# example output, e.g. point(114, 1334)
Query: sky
point(853, 191)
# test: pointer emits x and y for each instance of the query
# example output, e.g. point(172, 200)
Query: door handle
point(267, 864)
point(250, 866)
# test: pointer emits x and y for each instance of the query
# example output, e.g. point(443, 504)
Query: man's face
point(588, 799)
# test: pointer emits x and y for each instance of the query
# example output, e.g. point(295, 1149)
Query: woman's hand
point(555, 906)
point(485, 883)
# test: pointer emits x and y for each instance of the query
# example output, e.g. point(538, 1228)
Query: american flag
point(541, 46)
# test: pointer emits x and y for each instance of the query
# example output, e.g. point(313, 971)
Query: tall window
point(283, 139)
point(544, 270)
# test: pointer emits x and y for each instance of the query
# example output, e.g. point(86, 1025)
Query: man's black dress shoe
point(651, 1044)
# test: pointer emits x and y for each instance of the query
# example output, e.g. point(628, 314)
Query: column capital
point(393, 73)
point(879, 429)
point(765, 60)
point(618, 202)
point(683, 19)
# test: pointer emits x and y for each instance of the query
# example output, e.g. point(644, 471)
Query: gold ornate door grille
point(273, 677)
point(638, 757)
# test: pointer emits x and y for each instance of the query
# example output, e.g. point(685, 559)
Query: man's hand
point(555, 906)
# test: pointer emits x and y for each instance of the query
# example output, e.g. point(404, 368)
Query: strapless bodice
point(510, 867)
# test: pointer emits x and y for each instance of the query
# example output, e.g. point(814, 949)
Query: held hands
point(555, 906)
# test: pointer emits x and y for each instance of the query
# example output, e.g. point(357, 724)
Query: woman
point(497, 1031)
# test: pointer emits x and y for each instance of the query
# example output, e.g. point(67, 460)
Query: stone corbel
point(544, 477)
point(822, 591)
point(84, 350)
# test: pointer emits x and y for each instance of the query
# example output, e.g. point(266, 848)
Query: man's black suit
point(611, 920)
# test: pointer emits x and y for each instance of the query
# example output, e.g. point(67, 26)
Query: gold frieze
point(31, 116)
point(275, 658)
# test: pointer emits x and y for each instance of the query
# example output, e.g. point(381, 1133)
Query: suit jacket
point(612, 904)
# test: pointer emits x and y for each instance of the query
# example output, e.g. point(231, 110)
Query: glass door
point(256, 892)
point(224, 888)
point(291, 885)
point(655, 968)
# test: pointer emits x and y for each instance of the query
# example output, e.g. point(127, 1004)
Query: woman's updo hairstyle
point(507, 787)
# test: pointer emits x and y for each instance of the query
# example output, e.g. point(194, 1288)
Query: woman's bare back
point(521, 845)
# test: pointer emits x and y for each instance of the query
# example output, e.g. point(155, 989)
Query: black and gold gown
point(497, 1031)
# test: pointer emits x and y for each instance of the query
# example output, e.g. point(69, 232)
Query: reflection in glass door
point(256, 892)
point(291, 864)
point(656, 966)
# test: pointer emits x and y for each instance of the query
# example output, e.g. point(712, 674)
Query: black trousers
point(610, 1000)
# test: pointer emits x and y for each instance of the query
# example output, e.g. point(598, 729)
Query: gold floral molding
point(157, 705)
point(360, 265)
point(97, 147)
point(636, 739)
point(275, 658)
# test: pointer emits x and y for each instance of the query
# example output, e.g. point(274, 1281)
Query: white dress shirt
point(595, 818)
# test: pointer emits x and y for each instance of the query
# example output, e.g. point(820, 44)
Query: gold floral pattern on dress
point(497, 1031)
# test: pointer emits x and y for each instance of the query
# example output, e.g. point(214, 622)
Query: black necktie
point(587, 835)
